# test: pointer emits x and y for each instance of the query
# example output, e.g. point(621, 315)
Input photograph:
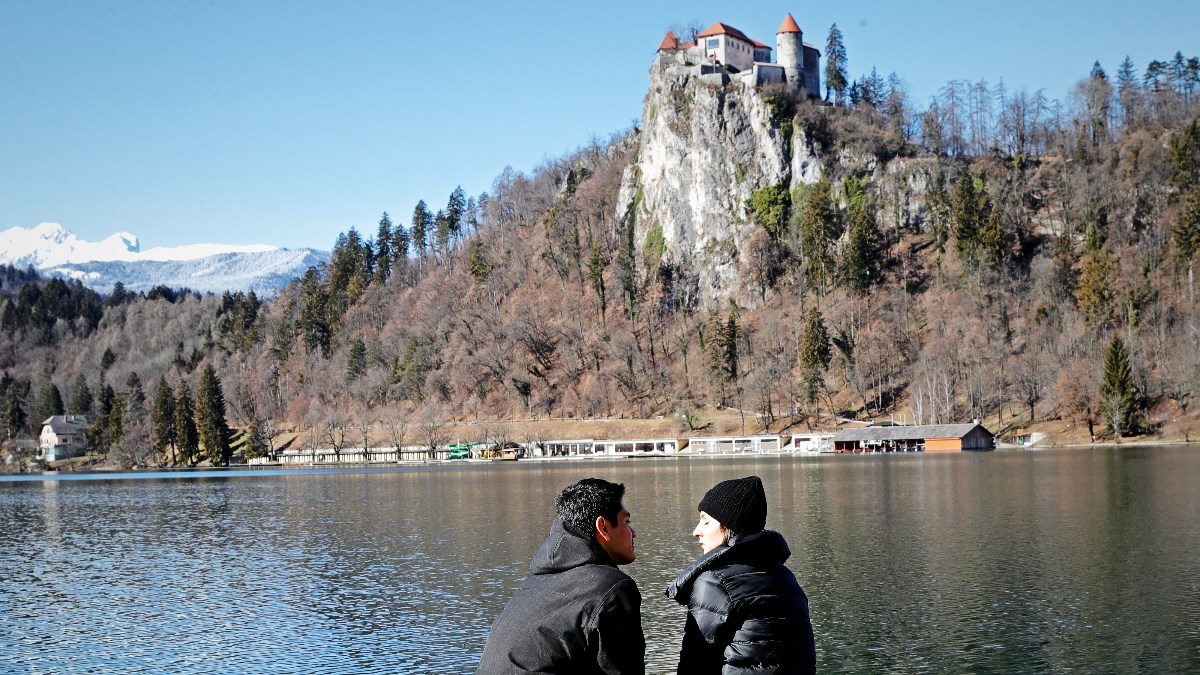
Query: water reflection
point(1063, 560)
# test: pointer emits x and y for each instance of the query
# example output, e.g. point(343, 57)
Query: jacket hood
point(766, 547)
point(564, 550)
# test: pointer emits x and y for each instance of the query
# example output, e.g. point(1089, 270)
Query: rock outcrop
point(707, 142)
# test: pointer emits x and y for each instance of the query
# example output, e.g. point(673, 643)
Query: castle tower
point(789, 53)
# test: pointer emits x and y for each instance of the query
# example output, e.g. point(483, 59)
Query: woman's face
point(709, 532)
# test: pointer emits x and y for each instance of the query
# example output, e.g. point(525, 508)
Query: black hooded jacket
point(575, 613)
point(746, 611)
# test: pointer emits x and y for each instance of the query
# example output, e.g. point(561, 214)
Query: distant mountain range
point(55, 251)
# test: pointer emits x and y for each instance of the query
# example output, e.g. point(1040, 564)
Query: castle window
point(713, 43)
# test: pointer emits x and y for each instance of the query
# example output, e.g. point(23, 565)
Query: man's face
point(617, 538)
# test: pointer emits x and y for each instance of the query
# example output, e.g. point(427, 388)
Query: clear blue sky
point(287, 122)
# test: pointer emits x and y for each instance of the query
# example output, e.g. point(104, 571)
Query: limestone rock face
point(707, 142)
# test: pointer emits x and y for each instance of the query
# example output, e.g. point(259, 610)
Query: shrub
point(770, 206)
point(655, 244)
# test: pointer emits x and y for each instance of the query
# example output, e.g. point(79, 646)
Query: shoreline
point(181, 471)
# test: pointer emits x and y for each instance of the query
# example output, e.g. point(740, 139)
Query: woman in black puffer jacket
point(746, 611)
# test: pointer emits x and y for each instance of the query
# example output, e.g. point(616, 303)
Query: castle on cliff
point(724, 53)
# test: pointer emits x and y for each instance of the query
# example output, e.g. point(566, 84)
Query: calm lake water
point(1049, 561)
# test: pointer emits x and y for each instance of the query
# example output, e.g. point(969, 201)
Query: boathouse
point(564, 448)
point(915, 438)
point(728, 445)
point(663, 446)
point(809, 443)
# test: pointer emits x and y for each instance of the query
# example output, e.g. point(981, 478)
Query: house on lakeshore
point(915, 438)
point(726, 52)
point(62, 436)
point(587, 446)
point(809, 443)
point(729, 445)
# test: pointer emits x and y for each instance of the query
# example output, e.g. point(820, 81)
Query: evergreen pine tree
point(100, 435)
point(481, 269)
point(113, 410)
point(818, 230)
point(1185, 236)
point(815, 355)
point(356, 360)
point(872, 89)
point(349, 273)
point(815, 351)
point(456, 208)
point(422, 220)
point(135, 395)
point(49, 403)
point(970, 209)
point(992, 248)
point(720, 344)
point(729, 337)
point(862, 261)
point(939, 211)
point(257, 442)
point(213, 432)
point(164, 419)
point(314, 314)
point(187, 439)
point(81, 397)
point(1128, 91)
point(1118, 395)
point(117, 297)
point(383, 250)
point(441, 234)
point(1185, 156)
point(836, 77)
point(401, 246)
point(15, 417)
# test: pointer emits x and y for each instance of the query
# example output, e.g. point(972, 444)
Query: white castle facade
point(724, 52)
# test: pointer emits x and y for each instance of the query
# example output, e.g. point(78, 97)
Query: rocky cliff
point(707, 142)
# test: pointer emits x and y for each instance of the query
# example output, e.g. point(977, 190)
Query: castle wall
point(766, 73)
point(812, 71)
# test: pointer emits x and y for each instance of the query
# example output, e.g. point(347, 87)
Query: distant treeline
point(1049, 277)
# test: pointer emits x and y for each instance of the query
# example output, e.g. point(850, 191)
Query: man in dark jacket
point(576, 612)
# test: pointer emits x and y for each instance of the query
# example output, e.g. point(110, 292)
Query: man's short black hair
point(579, 504)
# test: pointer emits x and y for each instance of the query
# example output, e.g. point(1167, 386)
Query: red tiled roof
point(671, 41)
point(788, 25)
point(719, 28)
point(760, 45)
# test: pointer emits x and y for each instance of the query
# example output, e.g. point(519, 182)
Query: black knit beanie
point(739, 504)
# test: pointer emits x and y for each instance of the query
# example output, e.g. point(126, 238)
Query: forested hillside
point(1040, 276)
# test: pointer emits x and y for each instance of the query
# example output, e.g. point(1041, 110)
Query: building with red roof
point(729, 49)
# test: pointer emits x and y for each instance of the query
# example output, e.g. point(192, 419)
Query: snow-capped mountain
point(216, 268)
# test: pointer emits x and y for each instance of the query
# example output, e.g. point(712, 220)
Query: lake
point(1046, 561)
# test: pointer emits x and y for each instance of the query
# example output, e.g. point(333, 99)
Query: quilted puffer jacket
point(746, 611)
